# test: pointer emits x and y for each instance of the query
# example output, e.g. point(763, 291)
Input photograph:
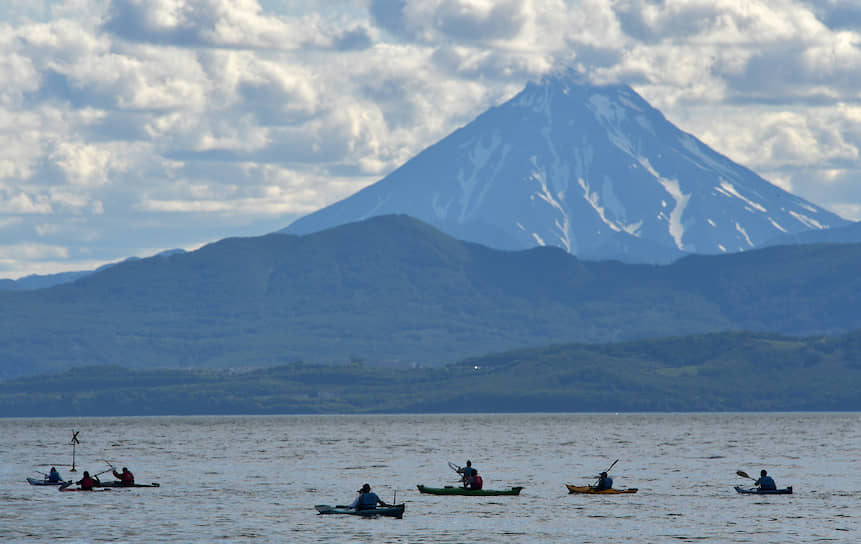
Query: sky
point(128, 127)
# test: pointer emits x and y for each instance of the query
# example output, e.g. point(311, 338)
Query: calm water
point(243, 479)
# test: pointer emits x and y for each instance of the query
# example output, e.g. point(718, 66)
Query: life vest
point(368, 500)
point(476, 483)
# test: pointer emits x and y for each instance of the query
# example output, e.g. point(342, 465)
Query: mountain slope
point(694, 373)
point(594, 170)
point(393, 289)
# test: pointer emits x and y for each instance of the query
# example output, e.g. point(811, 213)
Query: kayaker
point(604, 482)
point(366, 499)
point(87, 482)
point(467, 473)
point(53, 476)
point(126, 478)
point(765, 481)
point(476, 482)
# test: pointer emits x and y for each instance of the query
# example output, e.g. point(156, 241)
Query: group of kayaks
point(102, 486)
point(397, 510)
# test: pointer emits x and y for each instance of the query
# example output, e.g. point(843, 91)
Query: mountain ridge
point(395, 290)
point(709, 372)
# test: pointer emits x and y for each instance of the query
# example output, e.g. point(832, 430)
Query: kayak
point(758, 491)
point(42, 481)
point(67, 489)
point(453, 490)
point(120, 484)
point(394, 511)
point(591, 490)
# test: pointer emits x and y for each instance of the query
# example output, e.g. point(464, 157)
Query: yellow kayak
point(588, 489)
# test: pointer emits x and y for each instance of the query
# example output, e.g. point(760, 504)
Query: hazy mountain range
point(594, 170)
point(711, 372)
point(394, 290)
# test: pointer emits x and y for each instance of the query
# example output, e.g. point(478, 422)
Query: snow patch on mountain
point(808, 221)
point(555, 199)
point(674, 220)
point(727, 188)
point(776, 225)
point(610, 116)
point(703, 160)
point(743, 232)
point(479, 156)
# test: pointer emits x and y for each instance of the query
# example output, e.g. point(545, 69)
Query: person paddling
point(476, 482)
point(604, 482)
point(367, 499)
point(53, 476)
point(467, 473)
point(87, 482)
point(126, 478)
point(765, 481)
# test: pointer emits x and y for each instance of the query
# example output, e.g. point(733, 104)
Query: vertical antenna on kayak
point(74, 443)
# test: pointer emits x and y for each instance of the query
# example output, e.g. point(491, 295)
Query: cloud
point(200, 23)
point(168, 123)
point(22, 203)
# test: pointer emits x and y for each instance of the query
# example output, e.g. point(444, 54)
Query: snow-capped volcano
point(592, 169)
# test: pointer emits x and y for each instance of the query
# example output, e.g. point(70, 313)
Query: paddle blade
point(743, 474)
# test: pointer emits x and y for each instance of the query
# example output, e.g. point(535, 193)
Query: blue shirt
point(605, 483)
point(366, 500)
point(766, 482)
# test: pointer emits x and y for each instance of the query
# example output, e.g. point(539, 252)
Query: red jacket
point(127, 478)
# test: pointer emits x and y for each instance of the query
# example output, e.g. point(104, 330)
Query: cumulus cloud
point(131, 124)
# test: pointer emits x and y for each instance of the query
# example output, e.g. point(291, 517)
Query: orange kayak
point(588, 489)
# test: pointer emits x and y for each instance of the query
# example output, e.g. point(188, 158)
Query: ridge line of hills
point(394, 290)
point(712, 372)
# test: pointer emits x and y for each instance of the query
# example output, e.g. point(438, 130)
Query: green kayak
point(393, 511)
point(457, 490)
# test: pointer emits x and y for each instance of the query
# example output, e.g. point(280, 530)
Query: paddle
point(97, 474)
point(611, 466)
point(456, 468)
point(607, 471)
point(743, 474)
